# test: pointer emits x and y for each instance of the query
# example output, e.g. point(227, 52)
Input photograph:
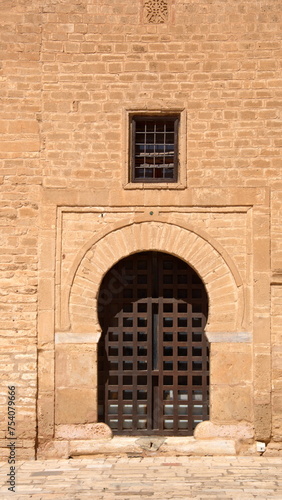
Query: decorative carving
point(156, 11)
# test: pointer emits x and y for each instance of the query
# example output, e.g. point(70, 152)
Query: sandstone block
point(86, 431)
point(52, 449)
point(209, 430)
point(231, 404)
point(76, 406)
point(76, 366)
point(192, 447)
point(231, 363)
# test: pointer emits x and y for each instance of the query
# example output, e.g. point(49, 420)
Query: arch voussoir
point(213, 265)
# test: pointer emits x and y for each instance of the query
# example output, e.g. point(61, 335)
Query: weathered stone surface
point(231, 404)
point(46, 370)
point(86, 431)
point(53, 449)
point(236, 360)
point(46, 410)
point(206, 430)
point(76, 365)
point(152, 443)
point(273, 450)
point(262, 422)
point(190, 446)
point(76, 406)
point(104, 446)
point(168, 446)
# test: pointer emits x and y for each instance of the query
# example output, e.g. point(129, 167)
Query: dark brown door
point(153, 353)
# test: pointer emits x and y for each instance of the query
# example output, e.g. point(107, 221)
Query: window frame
point(156, 118)
point(141, 107)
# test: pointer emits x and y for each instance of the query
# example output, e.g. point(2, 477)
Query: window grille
point(154, 148)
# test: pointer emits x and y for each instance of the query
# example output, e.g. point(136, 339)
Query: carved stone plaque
point(156, 11)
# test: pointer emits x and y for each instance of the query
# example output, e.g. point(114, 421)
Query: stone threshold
point(151, 445)
point(89, 440)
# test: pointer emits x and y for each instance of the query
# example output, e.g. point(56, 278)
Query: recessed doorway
point(153, 355)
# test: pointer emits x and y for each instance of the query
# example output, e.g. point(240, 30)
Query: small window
point(154, 148)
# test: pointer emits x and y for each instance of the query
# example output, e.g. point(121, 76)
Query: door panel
point(153, 354)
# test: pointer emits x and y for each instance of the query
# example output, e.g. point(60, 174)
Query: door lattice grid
point(153, 353)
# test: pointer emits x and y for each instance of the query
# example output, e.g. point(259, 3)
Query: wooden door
point(153, 354)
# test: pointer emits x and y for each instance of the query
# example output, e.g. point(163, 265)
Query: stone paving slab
point(149, 478)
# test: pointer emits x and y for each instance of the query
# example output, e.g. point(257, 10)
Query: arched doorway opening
point(153, 359)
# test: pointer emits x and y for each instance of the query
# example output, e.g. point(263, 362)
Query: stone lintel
point(218, 197)
point(230, 337)
point(77, 338)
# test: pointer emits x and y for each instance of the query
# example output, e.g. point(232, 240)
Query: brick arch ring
point(204, 254)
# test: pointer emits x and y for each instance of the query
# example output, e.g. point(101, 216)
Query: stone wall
point(71, 73)
point(21, 178)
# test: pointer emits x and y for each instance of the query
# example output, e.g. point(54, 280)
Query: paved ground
point(150, 478)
